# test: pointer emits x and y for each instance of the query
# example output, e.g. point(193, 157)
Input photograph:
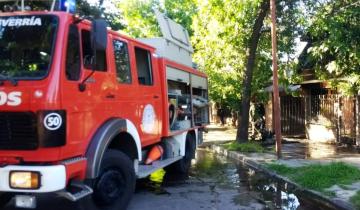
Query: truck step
point(76, 191)
point(146, 170)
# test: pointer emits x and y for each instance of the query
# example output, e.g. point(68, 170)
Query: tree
point(182, 12)
point(139, 17)
point(221, 29)
point(242, 132)
point(226, 44)
point(334, 38)
point(111, 14)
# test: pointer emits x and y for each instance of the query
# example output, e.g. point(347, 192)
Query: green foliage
point(217, 41)
point(182, 12)
point(96, 10)
point(222, 29)
point(245, 147)
point(334, 33)
point(355, 200)
point(139, 18)
point(319, 177)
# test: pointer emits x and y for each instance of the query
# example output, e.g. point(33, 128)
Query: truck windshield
point(26, 45)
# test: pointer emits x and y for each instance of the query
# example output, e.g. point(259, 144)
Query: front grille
point(18, 131)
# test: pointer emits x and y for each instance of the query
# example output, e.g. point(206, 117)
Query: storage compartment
point(180, 110)
point(200, 106)
point(177, 75)
point(187, 98)
point(199, 82)
point(175, 44)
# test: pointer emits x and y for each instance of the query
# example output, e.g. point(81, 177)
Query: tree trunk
point(243, 125)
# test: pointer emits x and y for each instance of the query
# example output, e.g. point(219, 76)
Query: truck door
point(83, 106)
point(150, 100)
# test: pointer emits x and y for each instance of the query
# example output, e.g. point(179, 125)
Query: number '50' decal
point(52, 121)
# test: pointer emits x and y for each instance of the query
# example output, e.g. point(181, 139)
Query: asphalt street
point(207, 187)
point(214, 183)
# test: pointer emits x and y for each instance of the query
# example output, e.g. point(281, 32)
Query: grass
point(355, 200)
point(245, 147)
point(319, 177)
point(330, 194)
point(282, 169)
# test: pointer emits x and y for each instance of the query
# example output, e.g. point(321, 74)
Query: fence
point(333, 112)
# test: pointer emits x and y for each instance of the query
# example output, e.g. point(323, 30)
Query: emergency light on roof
point(68, 6)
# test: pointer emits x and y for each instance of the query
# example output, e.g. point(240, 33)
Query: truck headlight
point(24, 180)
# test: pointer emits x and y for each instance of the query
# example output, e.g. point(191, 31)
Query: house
point(318, 111)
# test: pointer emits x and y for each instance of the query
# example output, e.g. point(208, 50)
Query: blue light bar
point(68, 6)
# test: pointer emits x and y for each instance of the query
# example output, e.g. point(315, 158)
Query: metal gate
point(333, 111)
point(292, 116)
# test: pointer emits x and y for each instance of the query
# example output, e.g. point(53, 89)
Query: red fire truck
point(82, 106)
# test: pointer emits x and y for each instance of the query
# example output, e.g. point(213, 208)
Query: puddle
point(320, 151)
point(315, 151)
point(154, 183)
point(221, 173)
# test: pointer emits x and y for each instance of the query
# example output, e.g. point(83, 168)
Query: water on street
point(213, 183)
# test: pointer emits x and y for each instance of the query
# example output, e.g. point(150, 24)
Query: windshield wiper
point(7, 78)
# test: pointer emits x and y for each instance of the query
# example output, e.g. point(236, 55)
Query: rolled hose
point(172, 115)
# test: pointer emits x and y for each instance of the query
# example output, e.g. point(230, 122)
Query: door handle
point(110, 96)
point(156, 96)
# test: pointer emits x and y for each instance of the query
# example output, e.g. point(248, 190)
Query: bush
point(355, 200)
point(245, 147)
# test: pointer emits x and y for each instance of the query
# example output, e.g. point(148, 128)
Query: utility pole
point(276, 99)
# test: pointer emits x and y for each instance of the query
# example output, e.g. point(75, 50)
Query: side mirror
point(98, 45)
point(99, 35)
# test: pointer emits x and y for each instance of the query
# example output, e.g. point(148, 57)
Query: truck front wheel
point(116, 182)
point(5, 197)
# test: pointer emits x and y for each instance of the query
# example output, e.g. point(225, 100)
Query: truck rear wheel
point(115, 185)
point(182, 166)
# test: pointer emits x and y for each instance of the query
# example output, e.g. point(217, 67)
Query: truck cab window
point(122, 61)
point(26, 50)
point(73, 54)
point(88, 54)
point(143, 65)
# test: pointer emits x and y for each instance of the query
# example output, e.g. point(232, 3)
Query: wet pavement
point(295, 148)
point(214, 183)
point(295, 151)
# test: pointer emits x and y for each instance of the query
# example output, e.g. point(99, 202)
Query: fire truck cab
point(83, 108)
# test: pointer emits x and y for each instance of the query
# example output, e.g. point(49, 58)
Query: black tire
point(182, 166)
point(114, 187)
point(5, 197)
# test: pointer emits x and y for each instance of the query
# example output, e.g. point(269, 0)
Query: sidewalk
point(295, 150)
point(296, 153)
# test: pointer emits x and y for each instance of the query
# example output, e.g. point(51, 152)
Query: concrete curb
point(332, 204)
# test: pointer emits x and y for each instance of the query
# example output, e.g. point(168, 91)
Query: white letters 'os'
point(10, 99)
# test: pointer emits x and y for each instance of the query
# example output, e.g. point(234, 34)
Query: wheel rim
point(110, 187)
